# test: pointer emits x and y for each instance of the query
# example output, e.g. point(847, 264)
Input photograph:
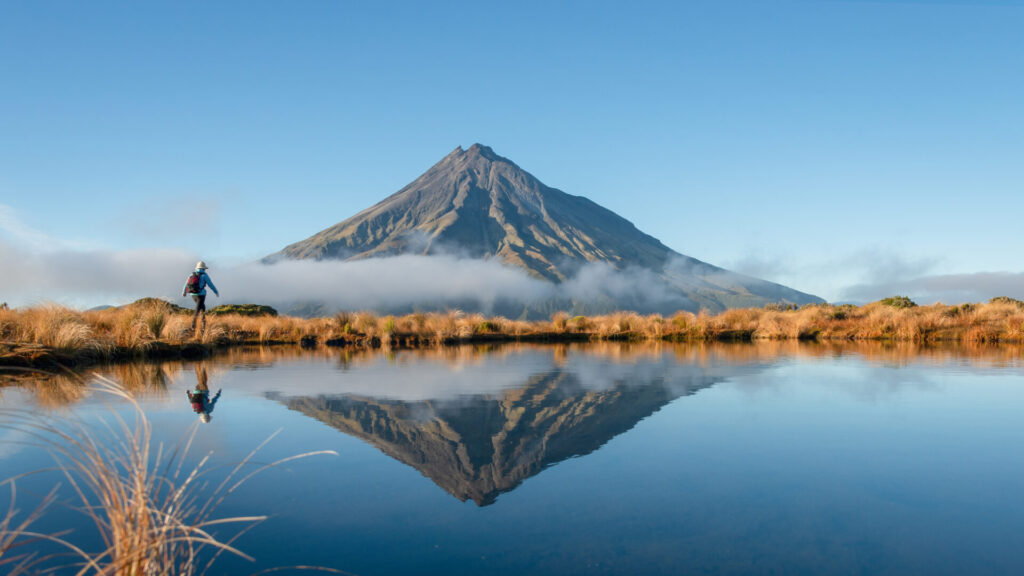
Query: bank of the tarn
point(54, 336)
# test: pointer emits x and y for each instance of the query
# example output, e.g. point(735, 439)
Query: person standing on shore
point(195, 285)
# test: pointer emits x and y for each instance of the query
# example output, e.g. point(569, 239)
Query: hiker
point(200, 399)
point(195, 285)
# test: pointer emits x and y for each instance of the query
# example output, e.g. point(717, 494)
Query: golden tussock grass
point(140, 330)
point(153, 513)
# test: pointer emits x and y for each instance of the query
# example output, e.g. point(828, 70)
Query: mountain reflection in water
point(479, 446)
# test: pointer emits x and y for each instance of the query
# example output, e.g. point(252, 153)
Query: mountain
point(478, 204)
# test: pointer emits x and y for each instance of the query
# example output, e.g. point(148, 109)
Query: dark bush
point(780, 306)
point(243, 310)
point(841, 312)
point(1007, 300)
point(898, 302)
point(954, 311)
point(157, 303)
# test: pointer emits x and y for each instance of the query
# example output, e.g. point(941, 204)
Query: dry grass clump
point(131, 331)
point(443, 326)
point(270, 330)
point(8, 323)
point(578, 324)
point(177, 329)
point(151, 512)
point(743, 320)
point(214, 334)
point(618, 324)
point(366, 323)
point(560, 321)
point(54, 326)
point(135, 327)
point(468, 324)
point(684, 326)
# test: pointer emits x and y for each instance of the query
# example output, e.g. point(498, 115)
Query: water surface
point(779, 458)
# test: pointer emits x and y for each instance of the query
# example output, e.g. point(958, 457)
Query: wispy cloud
point(15, 230)
point(835, 277)
point(176, 219)
point(760, 265)
point(876, 264)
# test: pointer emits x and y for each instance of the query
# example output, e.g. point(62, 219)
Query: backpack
point(197, 401)
point(192, 285)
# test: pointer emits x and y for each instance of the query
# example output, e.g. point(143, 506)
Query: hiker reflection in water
point(202, 404)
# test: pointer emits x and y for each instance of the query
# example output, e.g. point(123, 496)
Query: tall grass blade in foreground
point(154, 515)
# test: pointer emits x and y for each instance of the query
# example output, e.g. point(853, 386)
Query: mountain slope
point(478, 204)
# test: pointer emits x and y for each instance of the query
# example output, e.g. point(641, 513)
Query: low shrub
point(159, 304)
point(486, 327)
point(898, 302)
point(954, 311)
point(1007, 300)
point(242, 310)
point(841, 312)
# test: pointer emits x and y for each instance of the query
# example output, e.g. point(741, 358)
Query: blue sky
point(828, 145)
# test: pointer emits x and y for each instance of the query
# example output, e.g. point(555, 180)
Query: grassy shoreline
point(52, 336)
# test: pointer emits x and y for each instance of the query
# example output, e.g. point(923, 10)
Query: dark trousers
point(200, 300)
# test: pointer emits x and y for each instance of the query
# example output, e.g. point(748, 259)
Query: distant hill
point(479, 204)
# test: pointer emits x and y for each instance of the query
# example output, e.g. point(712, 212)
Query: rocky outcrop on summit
point(478, 204)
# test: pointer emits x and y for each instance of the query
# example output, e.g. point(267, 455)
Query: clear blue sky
point(821, 144)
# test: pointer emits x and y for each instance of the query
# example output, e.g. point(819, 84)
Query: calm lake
point(775, 458)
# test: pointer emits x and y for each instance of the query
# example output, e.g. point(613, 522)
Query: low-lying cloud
point(37, 268)
point(97, 276)
point(946, 288)
point(398, 283)
point(386, 283)
point(844, 276)
point(34, 270)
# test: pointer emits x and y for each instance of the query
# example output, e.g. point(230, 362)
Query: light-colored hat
point(201, 265)
point(204, 417)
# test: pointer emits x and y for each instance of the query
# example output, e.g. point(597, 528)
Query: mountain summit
point(478, 204)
